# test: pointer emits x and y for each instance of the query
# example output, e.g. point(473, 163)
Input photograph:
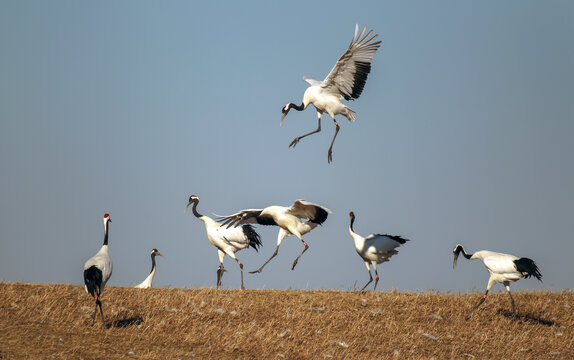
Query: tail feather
point(528, 268)
point(93, 280)
point(253, 236)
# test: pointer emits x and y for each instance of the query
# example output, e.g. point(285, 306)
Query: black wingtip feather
point(528, 266)
point(320, 216)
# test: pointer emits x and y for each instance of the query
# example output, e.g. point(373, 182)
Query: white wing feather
point(348, 76)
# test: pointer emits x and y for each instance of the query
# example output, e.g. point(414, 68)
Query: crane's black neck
point(297, 107)
point(352, 221)
point(194, 208)
point(460, 249)
point(152, 262)
point(106, 233)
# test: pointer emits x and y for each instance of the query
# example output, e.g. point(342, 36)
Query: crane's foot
point(294, 142)
point(330, 156)
point(255, 271)
point(294, 264)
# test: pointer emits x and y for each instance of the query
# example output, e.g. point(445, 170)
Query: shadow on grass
point(526, 317)
point(123, 323)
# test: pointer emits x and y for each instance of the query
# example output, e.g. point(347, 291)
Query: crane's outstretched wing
point(307, 210)
point(349, 75)
point(247, 216)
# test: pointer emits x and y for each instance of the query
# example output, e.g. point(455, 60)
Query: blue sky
point(464, 134)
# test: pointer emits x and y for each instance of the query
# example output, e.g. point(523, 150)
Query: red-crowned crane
point(345, 81)
point(227, 241)
point(147, 282)
point(374, 249)
point(287, 218)
point(503, 268)
point(98, 270)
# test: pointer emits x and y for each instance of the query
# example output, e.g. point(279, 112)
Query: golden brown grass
point(54, 321)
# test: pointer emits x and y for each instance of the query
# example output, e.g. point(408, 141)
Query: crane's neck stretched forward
point(297, 107)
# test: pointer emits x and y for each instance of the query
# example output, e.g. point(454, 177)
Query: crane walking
point(98, 270)
point(345, 81)
point(287, 218)
point(503, 268)
point(374, 249)
point(227, 241)
point(147, 282)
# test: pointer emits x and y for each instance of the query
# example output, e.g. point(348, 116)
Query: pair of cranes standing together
point(232, 233)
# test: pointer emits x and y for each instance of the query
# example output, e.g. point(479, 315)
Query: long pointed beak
point(186, 206)
point(455, 259)
point(160, 255)
point(283, 117)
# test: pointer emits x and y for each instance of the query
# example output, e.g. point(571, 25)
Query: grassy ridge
point(53, 321)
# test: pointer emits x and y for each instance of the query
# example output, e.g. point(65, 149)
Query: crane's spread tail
point(93, 280)
point(528, 268)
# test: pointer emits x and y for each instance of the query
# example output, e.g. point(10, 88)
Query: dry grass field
point(54, 322)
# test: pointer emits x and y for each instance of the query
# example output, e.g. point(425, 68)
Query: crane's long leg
point(511, 300)
point(297, 259)
point(370, 277)
point(477, 305)
point(101, 311)
point(262, 266)
point(376, 276)
point(282, 234)
point(220, 271)
point(241, 268)
point(95, 312)
point(330, 153)
point(296, 140)
point(98, 303)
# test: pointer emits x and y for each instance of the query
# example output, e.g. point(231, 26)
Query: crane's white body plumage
point(227, 240)
point(345, 81)
point(374, 249)
point(147, 283)
point(103, 262)
point(500, 266)
point(288, 218)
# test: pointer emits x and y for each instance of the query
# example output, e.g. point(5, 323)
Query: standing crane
point(345, 81)
point(374, 249)
point(98, 270)
point(503, 268)
point(147, 282)
point(287, 218)
point(227, 241)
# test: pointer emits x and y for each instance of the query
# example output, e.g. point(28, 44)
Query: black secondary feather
point(396, 238)
point(253, 236)
point(528, 266)
point(93, 280)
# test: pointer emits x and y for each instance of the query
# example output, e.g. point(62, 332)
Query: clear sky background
point(465, 133)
